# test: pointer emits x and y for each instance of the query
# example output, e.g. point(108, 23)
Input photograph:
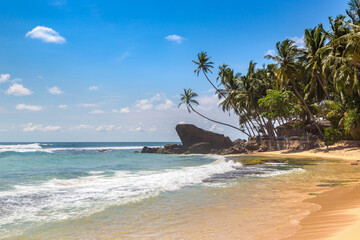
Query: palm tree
point(288, 70)
point(188, 98)
point(315, 40)
point(354, 11)
point(203, 65)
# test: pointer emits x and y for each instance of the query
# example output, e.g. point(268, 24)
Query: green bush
point(332, 136)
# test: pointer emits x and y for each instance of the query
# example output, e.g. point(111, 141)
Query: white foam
point(36, 147)
point(32, 147)
point(59, 199)
point(273, 173)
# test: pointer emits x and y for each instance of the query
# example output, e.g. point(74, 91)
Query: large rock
point(190, 135)
point(150, 149)
point(175, 148)
point(200, 148)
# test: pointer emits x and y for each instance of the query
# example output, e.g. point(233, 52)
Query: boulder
point(200, 148)
point(150, 150)
point(252, 146)
point(234, 150)
point(190, 135)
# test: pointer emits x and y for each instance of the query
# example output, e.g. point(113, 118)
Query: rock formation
point(190, 134)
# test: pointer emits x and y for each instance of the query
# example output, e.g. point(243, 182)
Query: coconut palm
point(288, 70)
point(203, 65)
point(315, 40)
point(187, 98)
point(354, 11)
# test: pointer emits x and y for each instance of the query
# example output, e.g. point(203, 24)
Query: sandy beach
point(338, 217)
point(341, 151)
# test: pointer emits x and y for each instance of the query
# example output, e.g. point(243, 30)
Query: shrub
point(332, 136)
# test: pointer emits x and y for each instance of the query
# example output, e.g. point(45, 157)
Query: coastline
point(338, 152)
point(338, 217)
point(339, 214)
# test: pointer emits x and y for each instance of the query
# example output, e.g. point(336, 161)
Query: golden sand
point(339, 214)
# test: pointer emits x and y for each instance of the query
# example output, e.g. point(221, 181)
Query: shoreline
point(338, 217)
point(344, 153)
point(339, 214)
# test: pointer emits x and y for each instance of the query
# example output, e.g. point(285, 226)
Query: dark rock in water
point(102, 150)
point(190, 135)
point(175, 148)
point(150, 150)
point(200, 148)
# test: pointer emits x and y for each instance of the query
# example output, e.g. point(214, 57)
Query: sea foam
point(60, 199)
point(37, 147)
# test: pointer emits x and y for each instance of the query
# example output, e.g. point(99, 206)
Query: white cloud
point(122, 110)
point(55, 90)
point(31, 127)
point(165, 106)
point(46, 35)
point(28, 107)
point(209, 100)
point(299, 41)
point(144, 104)
point(88, 105)
point(105, 128)
point(270, 52)
point(18, 90)
point(142, 128)
point(159, 100)
point(62, 106)
point(4, 77)
point(97, 111)
point(83, 127)
point(93, 88)
point(51, 128)
point(39, 128)
point(215, 128)
point(175, 38)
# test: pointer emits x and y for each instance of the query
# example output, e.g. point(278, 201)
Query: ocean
point(107, 191)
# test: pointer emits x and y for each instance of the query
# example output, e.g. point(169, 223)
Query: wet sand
point(339, 214)
point(338, 217)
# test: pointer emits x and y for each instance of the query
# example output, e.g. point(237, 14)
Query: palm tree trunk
point(323, 86)
point(307, 109)
point(247, 128)
point(253, 125)
point(214, 121)
point(232, 103)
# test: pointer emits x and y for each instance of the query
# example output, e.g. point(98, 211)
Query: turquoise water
point(48, 183)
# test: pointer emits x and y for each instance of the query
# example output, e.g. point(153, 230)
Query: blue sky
point(89, 70)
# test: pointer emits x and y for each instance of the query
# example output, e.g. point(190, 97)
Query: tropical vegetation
point(302, 85)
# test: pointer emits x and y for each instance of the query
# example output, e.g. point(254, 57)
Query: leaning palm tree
point(203, 65)
point(188, 98)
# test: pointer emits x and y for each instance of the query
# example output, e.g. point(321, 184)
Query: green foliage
point(302, 85)
point(278, 103)
point(352, 123)
point(332, 136)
